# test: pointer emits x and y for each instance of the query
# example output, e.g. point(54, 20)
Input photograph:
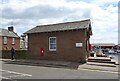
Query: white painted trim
point(55, 43)
point(5, 40)
point(13, 40)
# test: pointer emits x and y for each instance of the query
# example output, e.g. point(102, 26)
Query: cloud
point(48, 10)
point(26, 14)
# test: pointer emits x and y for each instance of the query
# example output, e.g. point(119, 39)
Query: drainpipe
point(84, 54)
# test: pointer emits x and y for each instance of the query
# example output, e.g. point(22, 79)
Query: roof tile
point(61, 26)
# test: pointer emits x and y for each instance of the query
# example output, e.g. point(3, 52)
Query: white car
point(111, 51)
point(118, 51)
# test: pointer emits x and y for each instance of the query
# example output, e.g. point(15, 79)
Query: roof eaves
point(33, 30)
point(53, 31)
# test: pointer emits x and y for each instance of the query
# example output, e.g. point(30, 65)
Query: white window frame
point(13, 40)
point(53, 43)
point(5, 40)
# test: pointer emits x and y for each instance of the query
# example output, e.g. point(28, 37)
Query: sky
point(26, 14)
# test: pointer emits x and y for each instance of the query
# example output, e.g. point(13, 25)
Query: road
point(17, 71)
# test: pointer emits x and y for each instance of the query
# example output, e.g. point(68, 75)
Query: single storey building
point(68, 41)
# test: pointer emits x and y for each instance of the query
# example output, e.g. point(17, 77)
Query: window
point(52, 43)
point(5, 40)
point(13, 40)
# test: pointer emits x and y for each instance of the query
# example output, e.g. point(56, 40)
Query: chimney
point(11, 28)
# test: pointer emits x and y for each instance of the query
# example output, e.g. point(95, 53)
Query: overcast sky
point(26, 14)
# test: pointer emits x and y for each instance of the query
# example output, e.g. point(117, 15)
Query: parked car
point(118, 51)
point(92, 53)
point(111, 52)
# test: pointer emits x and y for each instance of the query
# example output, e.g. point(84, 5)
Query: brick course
point(9, 44)
point(66, 49)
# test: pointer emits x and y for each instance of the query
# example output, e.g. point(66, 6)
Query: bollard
point(95, 54)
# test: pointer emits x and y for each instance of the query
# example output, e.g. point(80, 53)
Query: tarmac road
point(17, 71)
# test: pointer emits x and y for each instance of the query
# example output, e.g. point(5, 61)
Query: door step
point(102, 60)
point(101, 64)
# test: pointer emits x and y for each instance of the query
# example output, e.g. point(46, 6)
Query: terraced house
point(9, 39)
point(68, 41)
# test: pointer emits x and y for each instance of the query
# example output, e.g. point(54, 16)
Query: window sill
point(53, 50)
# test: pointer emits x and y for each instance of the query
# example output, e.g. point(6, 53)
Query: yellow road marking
point(99, 71)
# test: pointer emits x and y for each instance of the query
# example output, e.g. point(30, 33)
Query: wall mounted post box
point(41, 51)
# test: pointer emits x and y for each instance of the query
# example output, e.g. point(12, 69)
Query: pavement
point(47, 63)
point(65, 64)
point(100, 68)
point(99, 58)
point(44, 69)
point(18, 71)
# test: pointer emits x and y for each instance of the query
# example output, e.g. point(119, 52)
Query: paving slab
point(103, 68)
point(48, 63)
point(100, 57)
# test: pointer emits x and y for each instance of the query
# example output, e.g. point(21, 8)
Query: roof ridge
point(6, 32)
point(3, 29)
point(63, 23)
point(73, 25)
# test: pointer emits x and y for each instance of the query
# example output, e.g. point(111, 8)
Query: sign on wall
point(79, 45)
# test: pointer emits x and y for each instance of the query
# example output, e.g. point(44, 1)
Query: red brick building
point(67, 41)
point(9, 39)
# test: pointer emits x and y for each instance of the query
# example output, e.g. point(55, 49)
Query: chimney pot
point(11, 28)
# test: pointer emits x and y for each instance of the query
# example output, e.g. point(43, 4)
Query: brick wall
point(9, 44)
point(19, 54)
point(66, 49)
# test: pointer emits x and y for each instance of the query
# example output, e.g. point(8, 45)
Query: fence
point(19, 54)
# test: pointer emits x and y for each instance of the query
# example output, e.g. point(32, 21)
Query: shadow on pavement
point(68, 66)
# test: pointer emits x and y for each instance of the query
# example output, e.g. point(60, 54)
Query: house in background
point(23, 42)
point(103, 45)
point(67, 41)
point(9, 39)
point(103, 48)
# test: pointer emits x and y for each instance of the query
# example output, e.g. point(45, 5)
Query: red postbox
point(90, 47)
point(41, 51)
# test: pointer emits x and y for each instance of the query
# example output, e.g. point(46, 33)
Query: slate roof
point(5, 32)
point(61, 26)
